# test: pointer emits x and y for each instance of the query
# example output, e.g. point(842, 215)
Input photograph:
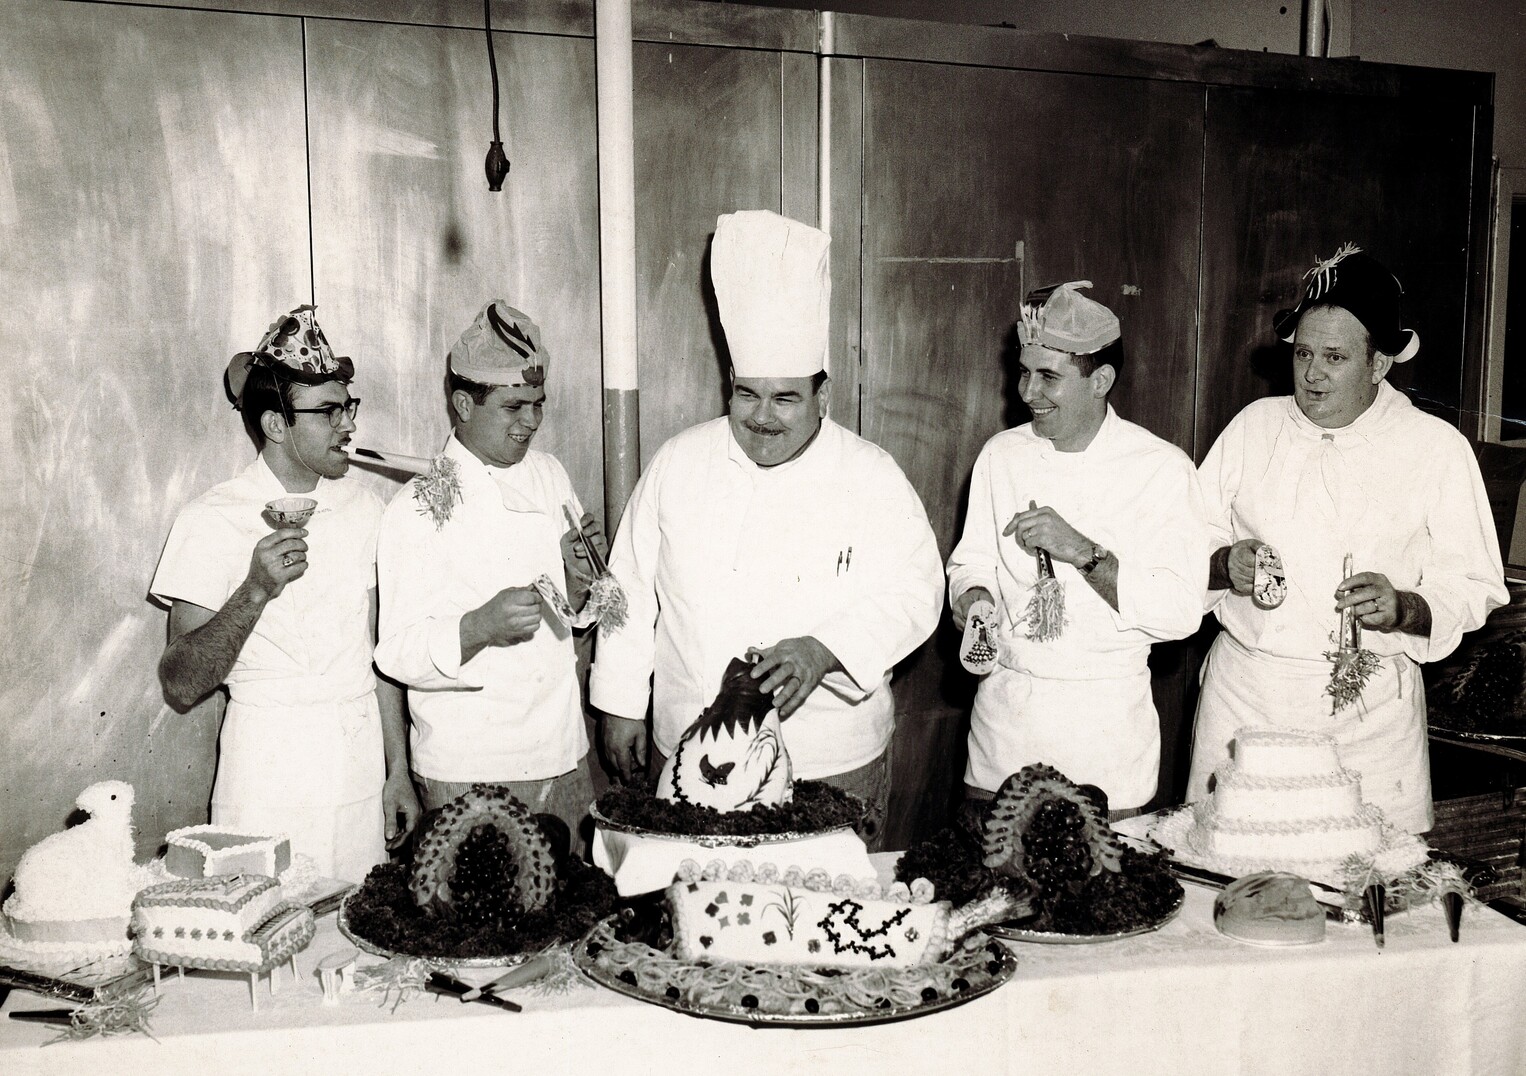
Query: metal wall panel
point(707, 143)
point(1290, 177)
point(153, 199)
point(980, 184)
point(409, 243)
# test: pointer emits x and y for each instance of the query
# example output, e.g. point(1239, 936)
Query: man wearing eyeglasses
point(312, 743)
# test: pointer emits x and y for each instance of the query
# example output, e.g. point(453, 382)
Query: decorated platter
point(507, 960)
point(789, 996)
point(1399, 852)
point(1501, 738)
point(713, 840)
point(1016, 931)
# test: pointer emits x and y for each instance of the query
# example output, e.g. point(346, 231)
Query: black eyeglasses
point(334, 411)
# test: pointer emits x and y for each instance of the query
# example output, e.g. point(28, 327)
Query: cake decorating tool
point(1373, 898)
point(1046, 609)
point(594, 560)
point(1350, 665)
point(606, 602)
point(440, 983)
point(1452, 904)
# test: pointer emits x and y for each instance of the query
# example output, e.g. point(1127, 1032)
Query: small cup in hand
point(290, 511)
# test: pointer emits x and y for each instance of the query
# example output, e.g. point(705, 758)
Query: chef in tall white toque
point(771, 531)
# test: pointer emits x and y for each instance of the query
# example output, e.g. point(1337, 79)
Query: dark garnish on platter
point(1138, 895)
point(815, 807)
point(486, 919)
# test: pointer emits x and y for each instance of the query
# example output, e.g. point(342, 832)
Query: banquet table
point(1182, 999)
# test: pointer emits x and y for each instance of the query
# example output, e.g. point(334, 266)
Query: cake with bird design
point(728, 785)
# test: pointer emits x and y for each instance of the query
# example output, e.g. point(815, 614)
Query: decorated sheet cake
point(226, 922)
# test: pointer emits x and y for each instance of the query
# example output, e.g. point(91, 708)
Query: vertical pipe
point(617, 253)
point(826, 39)
point(1314, 28)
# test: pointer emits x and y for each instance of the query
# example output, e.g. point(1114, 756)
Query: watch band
point(1098, 556)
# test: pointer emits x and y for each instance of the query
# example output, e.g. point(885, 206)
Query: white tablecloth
point(1181, 1000)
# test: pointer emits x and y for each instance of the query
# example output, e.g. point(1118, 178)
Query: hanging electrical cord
point(497, 164)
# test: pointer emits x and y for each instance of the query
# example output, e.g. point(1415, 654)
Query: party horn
point(1452, 902)
point(1373, 897)
point(395, 460)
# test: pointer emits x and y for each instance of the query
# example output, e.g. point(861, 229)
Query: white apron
point(1382, 736)
point(1102, 732)
point(312, 771)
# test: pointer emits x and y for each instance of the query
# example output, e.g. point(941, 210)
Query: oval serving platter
point(508, 960)
point(1000, 967)
point(1015, 932)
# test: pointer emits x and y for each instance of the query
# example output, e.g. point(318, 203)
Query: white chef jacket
point(1082, 702)
point(301, 749)
point(1398, 489)
point(717, 554)
point(511, 713)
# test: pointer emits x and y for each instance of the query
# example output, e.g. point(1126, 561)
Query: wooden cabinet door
point(1288, 178)
point(979, 184)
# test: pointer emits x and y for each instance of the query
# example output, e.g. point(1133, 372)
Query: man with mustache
point(312, 741)
point(491, 674)
point(772, 532)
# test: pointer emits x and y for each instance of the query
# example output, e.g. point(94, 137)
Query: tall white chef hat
point(773, 287)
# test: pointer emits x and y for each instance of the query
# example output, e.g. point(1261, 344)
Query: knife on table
point(440, 983)
point(534, 968)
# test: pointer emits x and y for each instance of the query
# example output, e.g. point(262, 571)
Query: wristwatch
point(1098, 556)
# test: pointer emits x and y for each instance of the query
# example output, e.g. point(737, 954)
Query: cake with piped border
point(207, 850)
point(1284, 798)
point(226, 923)
point(769, 916)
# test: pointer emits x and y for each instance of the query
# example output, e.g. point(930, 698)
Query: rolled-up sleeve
point(1462, 579)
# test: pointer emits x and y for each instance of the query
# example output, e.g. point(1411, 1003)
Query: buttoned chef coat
point(511, 713)
point(1398, 489)
point(300, 751)
point(1082, 702)
point(717, 554)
